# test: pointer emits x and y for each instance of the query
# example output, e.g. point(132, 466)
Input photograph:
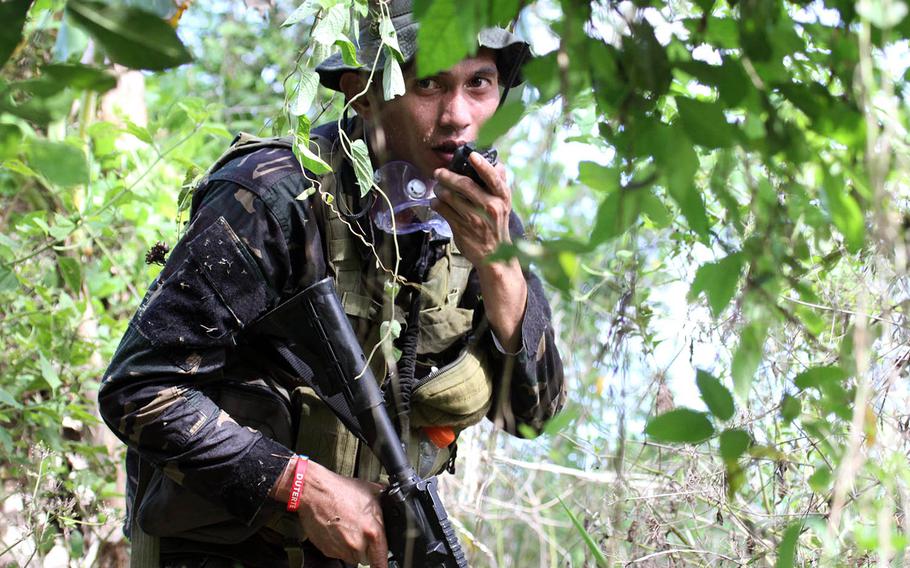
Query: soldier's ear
point(352, 85)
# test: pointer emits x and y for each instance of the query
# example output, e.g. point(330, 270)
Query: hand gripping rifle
point(312, 333)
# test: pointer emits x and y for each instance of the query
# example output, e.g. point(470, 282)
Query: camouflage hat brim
point(511, 52)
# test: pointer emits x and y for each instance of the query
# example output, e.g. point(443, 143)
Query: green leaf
point(302, 12)
point(71, 271)
point(331, 27)
point(790, 408)
point(718, 281)
point(705, 123)
point(447, 33)
point(820, 377)
point(560, 422)
point(501, 122)
point(715, 394)
point(392, 79)
point(747, 357)
point(598, 554)
point(8, 280)
point(682, 425)
point(309, 159)
point(140, 132)
point(348, 52)
point(81, 77)
point(6, 442)
point(13, 13)
point(131, 36)
point(820, 480)
point(306, 91)
point(845, 212)
point(49, 374)
point(734, 443)
point(390, 37)
point(617, 212)
point(645, 61)
point(392, 327)
point(10, 140)
point(679, 162)
point(786, 550)
point(363, 168)
point(9, 400)
point(61, 164)
point(705, 5)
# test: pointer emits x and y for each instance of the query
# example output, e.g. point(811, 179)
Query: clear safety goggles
point(405, 207)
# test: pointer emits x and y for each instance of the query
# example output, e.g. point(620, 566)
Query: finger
point(493, 176)
point(459, 213)
point(378, 554)
point(460, 185)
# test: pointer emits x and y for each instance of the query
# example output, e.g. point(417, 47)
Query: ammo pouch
point(170, 510)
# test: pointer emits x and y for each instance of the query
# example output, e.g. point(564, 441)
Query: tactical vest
point(455, 395)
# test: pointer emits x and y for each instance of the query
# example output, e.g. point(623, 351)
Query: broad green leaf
point(560, 422)
point(747, 357)
point(49, 373)
point(790, 408)
point(140, 132)
point(820, 377)
point(682, 425)
point(729, 78)
point(705, 123)
point(81, 77)
point(306, 91)
point(6, 441)
point(820, 480)
point(390, 37)
point(705, 5)
point(392, 79)
point(716, 396)
point(390, 328)
point(718, 281)
point(60, 163)
point(645, 61)
point(679, 162)
point(302, 12)
point(63, 227)
point(8, 280)
point(363, 168)
point(131, 36)
point(617, 212)
point(734, 443)
point(310, 160)
point(9, 400)
point(447, 33)
point(501, 122)
point(596, 552)
point(331, 27)
point(845, 212)
point(13, 13)
point(71, 271)
point(348, 52)
point(10, 140)
point(786, 550)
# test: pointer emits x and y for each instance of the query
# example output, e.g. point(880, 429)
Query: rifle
point(312, 333)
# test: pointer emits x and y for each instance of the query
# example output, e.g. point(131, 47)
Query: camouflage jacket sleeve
point(529, 385)
point(159, 393)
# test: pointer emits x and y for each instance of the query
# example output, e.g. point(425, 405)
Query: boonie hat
point(511, 51)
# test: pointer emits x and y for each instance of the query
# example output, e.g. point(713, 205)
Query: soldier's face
point(439, 113)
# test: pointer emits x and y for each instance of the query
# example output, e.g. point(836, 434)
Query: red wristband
point(297, 483)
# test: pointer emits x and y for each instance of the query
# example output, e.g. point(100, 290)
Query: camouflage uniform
point(171, 389)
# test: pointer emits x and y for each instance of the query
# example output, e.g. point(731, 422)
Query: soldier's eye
point(426, 84)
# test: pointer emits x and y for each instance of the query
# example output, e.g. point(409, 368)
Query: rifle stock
point(314, 327)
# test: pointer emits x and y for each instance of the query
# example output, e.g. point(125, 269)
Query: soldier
point(217, 426)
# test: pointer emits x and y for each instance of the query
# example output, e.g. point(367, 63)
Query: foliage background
point(716, 193)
